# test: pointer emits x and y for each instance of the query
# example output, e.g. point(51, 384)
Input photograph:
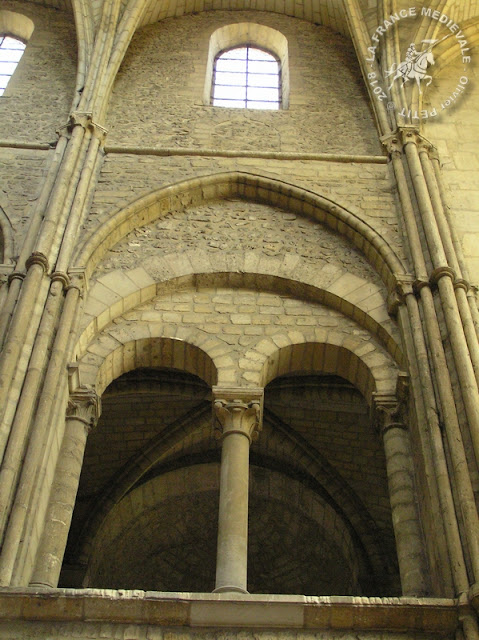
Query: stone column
point(83, 412)
point(409, 543)
point(239, 414)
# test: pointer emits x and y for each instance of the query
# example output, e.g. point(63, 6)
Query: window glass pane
point(263, 67)
point(255, 80)
point(235, 93)
point(257, 93)
point(239, 104)
point(7, 68)
point(257, 54)
point(231, 65)
point(11, 51)
point(249, 73)
point(12, 43)
point(236, 54)
point(10, 55)
point(223, 77)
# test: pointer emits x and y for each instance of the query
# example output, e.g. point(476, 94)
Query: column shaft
point(238, 412)
point(83, 409)
point(405, 518)
point(232, 553)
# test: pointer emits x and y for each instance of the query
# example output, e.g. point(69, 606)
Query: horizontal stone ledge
point(229, 610)
point(20, 144)
point(230, 153)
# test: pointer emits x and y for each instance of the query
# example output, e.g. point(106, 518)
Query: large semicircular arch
point(196, 191)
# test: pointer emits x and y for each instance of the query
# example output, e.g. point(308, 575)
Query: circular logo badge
point(418, 58)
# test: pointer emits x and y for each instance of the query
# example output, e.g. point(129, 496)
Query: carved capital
point(85, 120)
point(78, 279)
point(84, 405)
point(409, 134)
point(237, 410)
point(388, 412)
point(426, 147)
point(6, 272)
point(393, 144)
point(404, 287)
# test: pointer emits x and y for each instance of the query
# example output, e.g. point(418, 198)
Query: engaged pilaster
point(238, 414)
point(83, 411)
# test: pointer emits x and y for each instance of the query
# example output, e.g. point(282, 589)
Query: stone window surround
point(15, 25)
point(255, 35)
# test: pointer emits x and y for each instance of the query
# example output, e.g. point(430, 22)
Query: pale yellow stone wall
point(127, 631)
point(242, 332)
point(38, 98)
point(456, 134)
point(21, 179)
point(328, 107)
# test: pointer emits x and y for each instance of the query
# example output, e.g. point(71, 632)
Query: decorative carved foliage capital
point(404, 286)
point(85, 120)
point(84, 405)
point(389, 412)
point(393, 144)
point(78, 279)
point(409, 133)
point(6, 273)
point(237, 410)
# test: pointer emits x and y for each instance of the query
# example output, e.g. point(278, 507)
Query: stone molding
point(431, 615)
point(38, 258)
point(238, 410)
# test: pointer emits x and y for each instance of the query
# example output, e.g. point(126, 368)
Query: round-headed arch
point(248, 33)
point(196, 191)
point(16, 25)
point(362, 363)
point(145, 351)
point(366, 368)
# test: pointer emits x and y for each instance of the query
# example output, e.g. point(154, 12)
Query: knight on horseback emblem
point(415, 65)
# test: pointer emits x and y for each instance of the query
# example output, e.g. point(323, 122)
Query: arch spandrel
point(357, 300)
point(238, 337)
point(276, 193)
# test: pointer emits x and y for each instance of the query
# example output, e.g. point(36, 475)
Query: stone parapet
point(408, 616)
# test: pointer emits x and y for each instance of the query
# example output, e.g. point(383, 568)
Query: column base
point(228, 589)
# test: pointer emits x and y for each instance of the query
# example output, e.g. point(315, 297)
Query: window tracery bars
point(246, 78)
point(11, 50)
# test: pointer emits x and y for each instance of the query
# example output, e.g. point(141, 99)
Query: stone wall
point(21, 180)
point(455, 132)
point(138, 615)
point(37, 100)
point(163, 75)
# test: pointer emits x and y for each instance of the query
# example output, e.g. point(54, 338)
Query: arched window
point(246, 78)
point(11, 50)
point(247, 67)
